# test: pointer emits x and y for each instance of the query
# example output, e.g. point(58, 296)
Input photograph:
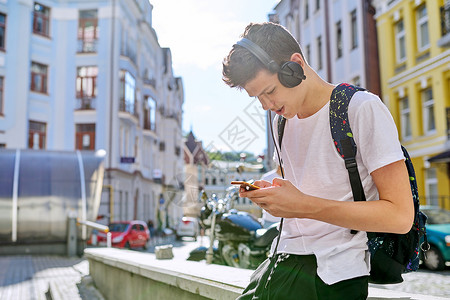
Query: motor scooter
point(243, 242)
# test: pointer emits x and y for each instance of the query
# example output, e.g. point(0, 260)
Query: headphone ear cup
point(291, 74)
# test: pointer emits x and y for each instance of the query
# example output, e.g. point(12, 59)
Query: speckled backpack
point(390, 254)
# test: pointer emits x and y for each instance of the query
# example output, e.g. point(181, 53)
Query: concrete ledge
point(125, 274)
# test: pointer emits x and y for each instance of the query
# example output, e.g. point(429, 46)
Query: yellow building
point(414, 52)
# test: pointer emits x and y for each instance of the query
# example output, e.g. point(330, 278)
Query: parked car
point(438, 235)
point(127, 234)
point(188, 227)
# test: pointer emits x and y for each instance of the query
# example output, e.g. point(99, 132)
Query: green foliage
point(231, 156)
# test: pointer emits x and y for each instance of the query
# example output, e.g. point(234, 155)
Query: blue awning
point(39, 189)
point(443, 157)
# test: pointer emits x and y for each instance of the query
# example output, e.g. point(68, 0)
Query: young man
point(318, 257)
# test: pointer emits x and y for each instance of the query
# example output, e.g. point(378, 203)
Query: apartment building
point(415, 75)
point(91, 75)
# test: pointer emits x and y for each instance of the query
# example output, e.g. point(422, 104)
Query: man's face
point(272, 94)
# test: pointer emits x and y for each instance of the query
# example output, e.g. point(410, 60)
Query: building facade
point(196, 162)
point(415, 73)
point(90, 75)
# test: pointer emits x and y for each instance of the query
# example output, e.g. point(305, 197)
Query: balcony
point(85, 103)
point(87, 46)
point(148, 125)
point(129, 52)
point(444, 41)
point(150, 81)
point(129, 108)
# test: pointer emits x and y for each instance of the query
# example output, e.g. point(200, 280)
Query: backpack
point(390, 254)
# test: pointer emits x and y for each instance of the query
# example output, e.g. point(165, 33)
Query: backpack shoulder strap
point(342, 135)
point(280, 124)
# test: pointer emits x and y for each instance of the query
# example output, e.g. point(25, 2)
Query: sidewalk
point(45, 277)
point(51, 277)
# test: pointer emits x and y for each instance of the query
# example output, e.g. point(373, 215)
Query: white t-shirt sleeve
point(374, 131)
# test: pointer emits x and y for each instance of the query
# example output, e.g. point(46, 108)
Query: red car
point(127, 234)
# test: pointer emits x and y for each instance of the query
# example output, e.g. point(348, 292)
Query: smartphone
point(247, 186)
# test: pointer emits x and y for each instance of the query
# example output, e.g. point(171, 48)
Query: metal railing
point(438, 200)
point(85, 103)
point(87, 45)
point(99, 227)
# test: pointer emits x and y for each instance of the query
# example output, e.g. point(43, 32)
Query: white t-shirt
point(312, 164)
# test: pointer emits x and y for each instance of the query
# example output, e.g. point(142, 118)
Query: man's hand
point(280, 198)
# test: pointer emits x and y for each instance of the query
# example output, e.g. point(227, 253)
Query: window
point(445, 19)
point(428, 110)
point(400, 43)
point(87, 31)
point(308, 52)
point(423, 40)
point(127, 92)
point(162, 146)
point(150, 113)
point(317, 4)
point(37, 135)
point(41, 19)
point(121, 206)
point(405, 119)
point(2, 31)
point(38, 77)
point(306, 10)
point(338, 39)
point(123, 141)
point(127, 207)
point(2, 146)
point(2, 80)
point(85, 137)
point(86, 86)
point(431, 188)
point(354, 28)
point(319, 53)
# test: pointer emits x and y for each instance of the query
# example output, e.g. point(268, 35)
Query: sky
point(200, 33)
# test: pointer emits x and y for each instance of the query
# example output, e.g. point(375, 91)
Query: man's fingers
point(279, 181)
point(261, 193)
point(262, 183)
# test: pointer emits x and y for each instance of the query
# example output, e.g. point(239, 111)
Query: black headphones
point(290, 73)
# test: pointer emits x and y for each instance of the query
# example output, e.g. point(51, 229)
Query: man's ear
point(297, 57)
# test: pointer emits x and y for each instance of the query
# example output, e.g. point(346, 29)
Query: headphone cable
point(269, 116)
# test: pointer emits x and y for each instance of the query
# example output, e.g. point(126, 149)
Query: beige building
point(195, 164)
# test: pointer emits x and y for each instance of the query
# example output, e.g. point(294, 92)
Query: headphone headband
point(260, 54)
point(290, 73)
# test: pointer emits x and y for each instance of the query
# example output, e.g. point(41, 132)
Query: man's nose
point(265, 102)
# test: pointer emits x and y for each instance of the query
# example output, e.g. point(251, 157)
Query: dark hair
point(241, 66)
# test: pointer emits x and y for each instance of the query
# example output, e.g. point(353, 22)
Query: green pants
point(295, 277)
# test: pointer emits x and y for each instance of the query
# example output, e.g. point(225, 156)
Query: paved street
point(27, 277)
point(423, 282)
point(39, 277)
